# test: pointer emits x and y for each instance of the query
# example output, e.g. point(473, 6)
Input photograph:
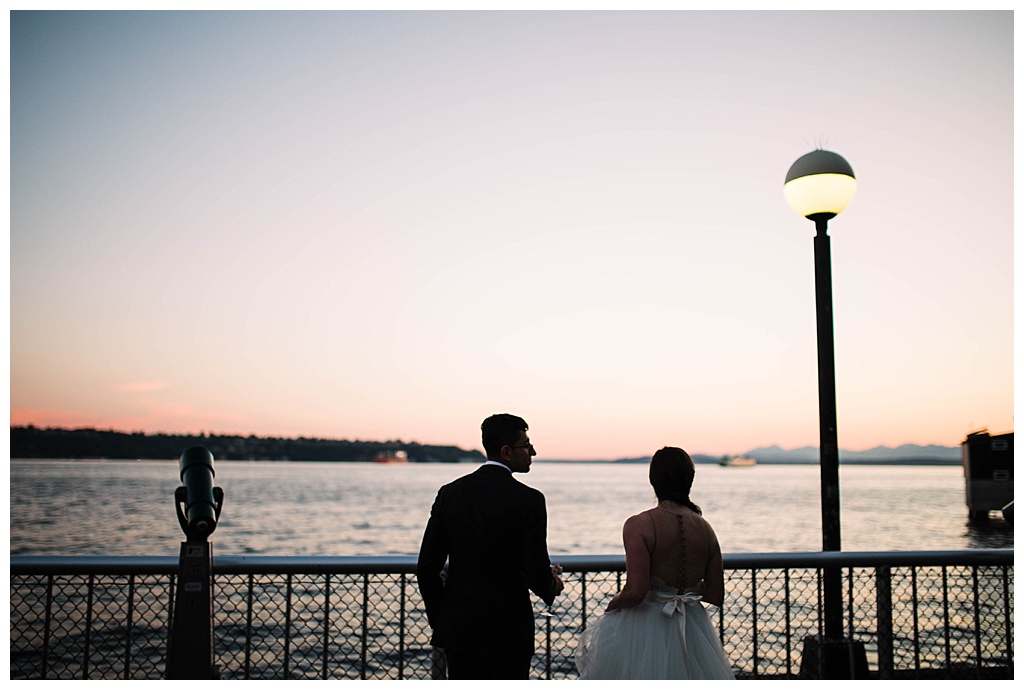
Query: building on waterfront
point(988, 472)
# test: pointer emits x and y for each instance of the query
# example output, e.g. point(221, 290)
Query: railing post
point(1008, 620)
point(789, 626)
point(88, 628)
point(287, 628)
point(325, 659)
point(583, 601)
point(917, 622)
point(946, 627)
point(365, 624)
point(883, 596)
point(753, 619)
point(975, 600)
point(401, 628)
point(47, 621)
point(130, 614)
point(250, 590)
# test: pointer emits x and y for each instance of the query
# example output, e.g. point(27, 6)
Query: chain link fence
point(943, 615)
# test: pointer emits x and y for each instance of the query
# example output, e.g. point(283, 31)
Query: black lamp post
point(819, 185)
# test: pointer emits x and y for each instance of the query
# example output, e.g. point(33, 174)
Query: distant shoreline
point(921, 462)
point(30, 442)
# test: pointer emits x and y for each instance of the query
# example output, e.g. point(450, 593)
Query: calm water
point(345, 509)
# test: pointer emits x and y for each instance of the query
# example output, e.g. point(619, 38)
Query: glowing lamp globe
point(820, 184)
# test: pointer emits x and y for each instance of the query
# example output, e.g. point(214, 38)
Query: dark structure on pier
point(988, 472)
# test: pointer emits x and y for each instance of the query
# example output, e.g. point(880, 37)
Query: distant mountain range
point(907, 454)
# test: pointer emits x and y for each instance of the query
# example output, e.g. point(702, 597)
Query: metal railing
point(942, 614)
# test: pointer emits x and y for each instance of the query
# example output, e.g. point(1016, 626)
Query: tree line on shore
point(30, 442)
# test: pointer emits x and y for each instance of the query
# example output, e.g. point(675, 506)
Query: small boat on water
point(392, 457)
point(737, 461)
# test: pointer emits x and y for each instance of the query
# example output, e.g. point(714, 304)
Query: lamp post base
point(829, 659)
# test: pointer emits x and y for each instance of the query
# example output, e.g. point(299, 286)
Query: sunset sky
point(389, 225)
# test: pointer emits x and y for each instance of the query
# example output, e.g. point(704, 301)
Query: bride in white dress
point(656, 627)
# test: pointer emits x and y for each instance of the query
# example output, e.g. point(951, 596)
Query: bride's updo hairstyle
point(671, 475)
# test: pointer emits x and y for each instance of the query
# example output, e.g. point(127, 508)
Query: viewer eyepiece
point(201, 499)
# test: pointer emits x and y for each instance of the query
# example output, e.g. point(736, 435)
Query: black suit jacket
point(493, 532)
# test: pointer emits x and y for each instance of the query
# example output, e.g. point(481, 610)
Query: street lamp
point(819, 185)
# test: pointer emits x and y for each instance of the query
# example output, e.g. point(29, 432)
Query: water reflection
point(995, 533)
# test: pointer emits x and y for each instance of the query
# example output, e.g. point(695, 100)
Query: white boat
point(737, 461)
point(392, 457)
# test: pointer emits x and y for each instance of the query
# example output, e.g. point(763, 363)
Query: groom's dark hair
point(500, 430)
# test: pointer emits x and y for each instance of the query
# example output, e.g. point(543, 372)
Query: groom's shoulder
point(529, 491)
point(459, 482)
point(480, 474)
point(494, 478)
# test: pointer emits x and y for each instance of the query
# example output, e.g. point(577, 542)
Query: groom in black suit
point(492, 531)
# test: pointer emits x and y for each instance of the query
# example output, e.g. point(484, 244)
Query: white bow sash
point(677, 603)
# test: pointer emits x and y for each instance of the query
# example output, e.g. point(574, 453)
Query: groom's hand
point(559, 585)
point(556, 575)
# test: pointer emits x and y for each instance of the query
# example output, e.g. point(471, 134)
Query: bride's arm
point(713, 586)
point(638, 566)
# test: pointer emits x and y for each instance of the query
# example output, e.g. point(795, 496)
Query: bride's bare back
point(683, 543)
point(674, 544)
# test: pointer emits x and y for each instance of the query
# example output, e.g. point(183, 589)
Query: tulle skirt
point(668, 636)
